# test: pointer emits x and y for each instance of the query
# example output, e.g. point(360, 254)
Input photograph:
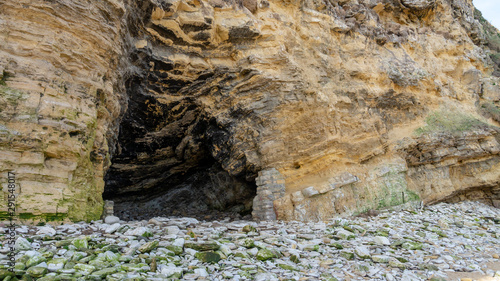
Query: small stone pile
point(440, 242)
point(108, 209)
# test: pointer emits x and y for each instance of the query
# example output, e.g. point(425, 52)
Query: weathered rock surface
point(61, 99)
point(357, 104)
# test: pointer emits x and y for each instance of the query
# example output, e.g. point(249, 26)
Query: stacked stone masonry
point(108, 208)
point(270, 187)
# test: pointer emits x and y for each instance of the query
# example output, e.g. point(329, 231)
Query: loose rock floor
point(440, 242)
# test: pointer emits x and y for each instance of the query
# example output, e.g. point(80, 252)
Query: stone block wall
point(270, 186)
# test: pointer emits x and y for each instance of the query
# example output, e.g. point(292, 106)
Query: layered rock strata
point(60, 103)
point(357, 104)
point(270, 187)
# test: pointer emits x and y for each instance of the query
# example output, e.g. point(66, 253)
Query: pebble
point(173, 230)
point(112, 228)
point(111, 219)
point(407, 245)
point(49, 231)
point(362, 252)
point(381, 240)
point(139, 231)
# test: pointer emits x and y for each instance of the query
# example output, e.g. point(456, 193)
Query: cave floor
point(209, 215)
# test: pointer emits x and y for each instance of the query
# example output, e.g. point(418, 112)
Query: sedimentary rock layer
point(60, 102)
point(357, 104)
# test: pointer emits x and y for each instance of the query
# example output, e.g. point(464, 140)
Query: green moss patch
point(389, 190)
point(450, 122)
point(11, 96)
point(88, 190)
point(394, 191)
point(31, 217)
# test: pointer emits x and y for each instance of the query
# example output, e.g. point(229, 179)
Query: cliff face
point(60, 103)
point(357, 105)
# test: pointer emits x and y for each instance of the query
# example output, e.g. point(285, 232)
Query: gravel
point(433, 243)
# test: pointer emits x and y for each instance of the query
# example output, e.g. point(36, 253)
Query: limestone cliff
point(354, 104)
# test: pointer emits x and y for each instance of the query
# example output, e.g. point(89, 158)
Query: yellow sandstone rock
point(358, 105)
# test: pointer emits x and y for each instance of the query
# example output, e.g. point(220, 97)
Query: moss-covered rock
point(19, 266)
point(175, 249)
point(248, 228)
point(85, 269)
point(138, 267)
point(396, 264)
point(411, 245)
point(209, 257)
point(4, 273)
point(80, 242)
point(247, 243)
point(37, 271)
point(34, 260)
point(295, 258)
point(101, 274)
point(347, 255)
point(148, 247)
point(287, 267)
point(337, 246)
point(56, 264)
point(202, 246)
point(265, 254)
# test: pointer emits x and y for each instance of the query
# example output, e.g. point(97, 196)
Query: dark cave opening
point(169, 161)
point(204, 192)
point(487, 194)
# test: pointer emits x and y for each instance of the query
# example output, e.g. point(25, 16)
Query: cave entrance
point(205, 192)
point(488, 195)
point(172, 159)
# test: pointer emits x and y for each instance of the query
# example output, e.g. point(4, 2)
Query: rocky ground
point(126, 212)
point(440, 242)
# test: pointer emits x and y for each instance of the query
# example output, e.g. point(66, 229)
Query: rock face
point(61, 99)
point(362, 104)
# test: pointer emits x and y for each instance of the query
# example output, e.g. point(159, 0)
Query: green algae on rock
point(208, 257)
